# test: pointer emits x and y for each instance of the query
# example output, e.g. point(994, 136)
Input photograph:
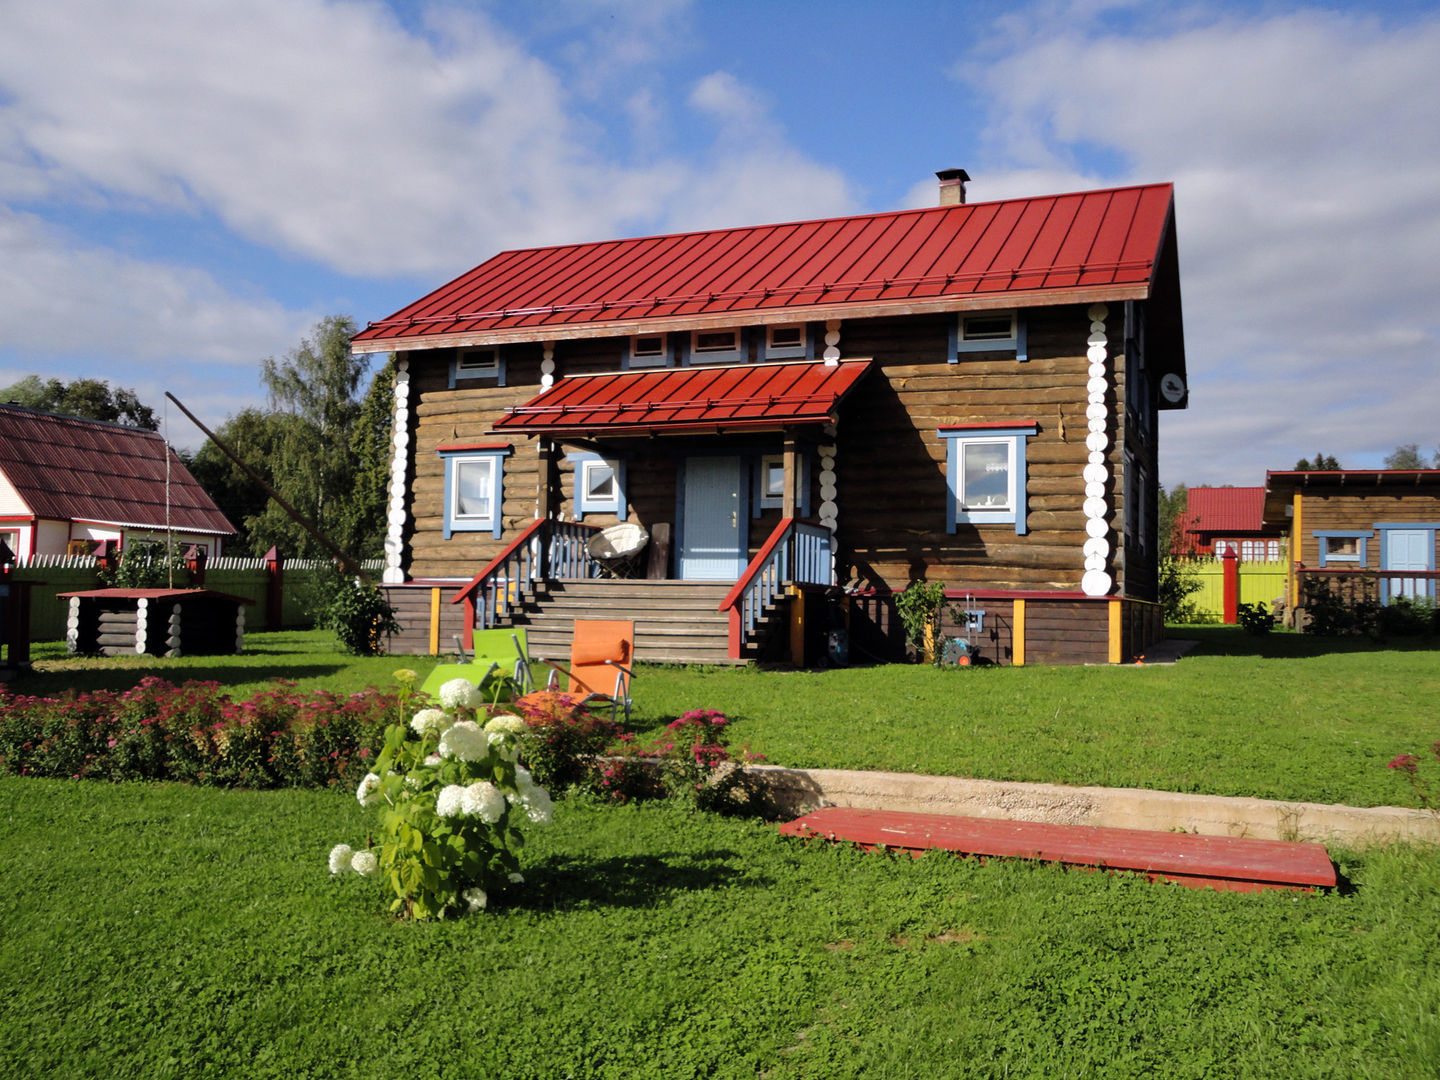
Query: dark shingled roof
point(67, 469)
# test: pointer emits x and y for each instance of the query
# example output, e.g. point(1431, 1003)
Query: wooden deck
point(1217, 862)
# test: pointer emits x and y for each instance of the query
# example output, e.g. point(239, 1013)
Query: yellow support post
point(1117, 627)
point(434, 622)
point(1017, 635)
point(1292, 579)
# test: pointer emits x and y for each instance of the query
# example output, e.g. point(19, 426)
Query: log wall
point(1358, 509)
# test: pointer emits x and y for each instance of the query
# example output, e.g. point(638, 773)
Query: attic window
point(784, 340)
point(716, 346)
point(988, 331)
point(648, 350)
point(477, 364)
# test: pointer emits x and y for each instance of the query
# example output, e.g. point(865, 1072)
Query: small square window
point(713, 341)
point(477, 364)
point(648, 350)
point(599, 485)
point(598, 480)
point(473, 477)
point(985, 475)
point(989, 327)
point(785, 340)
point(1341, 546)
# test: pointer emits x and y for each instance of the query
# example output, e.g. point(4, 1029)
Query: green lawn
point(165, 931)
point(1282, 716)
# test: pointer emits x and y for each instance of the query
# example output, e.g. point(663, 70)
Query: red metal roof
point(1224, 509)
point(1055, 249)
point(67, 469)
point(688, 399)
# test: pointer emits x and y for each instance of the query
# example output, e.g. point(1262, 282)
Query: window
point(477, 364)
point(786, 340)
point(1342, 547)
point(647, 350)
point(473, 487)
point(769, 491)
point(716, 346)
point(1137, 520)
point(1260, 550)
point(988, 331)
point(985, 473)
point(599, 485)
point(11, 539)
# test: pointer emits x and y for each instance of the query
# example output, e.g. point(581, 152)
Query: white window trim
point(1014, 439)
point(492, 522)
point(762, 500)
point(460, 373)
point(1017, 341)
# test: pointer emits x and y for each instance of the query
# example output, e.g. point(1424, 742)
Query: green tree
point(258, 437)
point(1177, 581)
point(1321, 463)
point(1406, 456)
point(90, 399)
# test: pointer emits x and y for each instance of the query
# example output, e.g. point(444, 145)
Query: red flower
point(1409, 762)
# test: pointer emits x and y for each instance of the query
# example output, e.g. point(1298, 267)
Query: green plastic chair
point(503, 649)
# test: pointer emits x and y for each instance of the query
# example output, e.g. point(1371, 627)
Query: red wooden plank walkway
point(1219, 862)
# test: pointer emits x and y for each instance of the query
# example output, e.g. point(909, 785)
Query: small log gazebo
point(157, 622)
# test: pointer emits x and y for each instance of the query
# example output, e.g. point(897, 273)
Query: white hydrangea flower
point(459, 694)
point(538, 807)
point(433, 759)
point(485, 801)
point(475, 899)
point(451, 802)
point(523, 780)
point(428, 721)
point(365, 863)
point(517, 878)
point(506, 724)
point(466, 741)
point(339, 858)
point(369, 790)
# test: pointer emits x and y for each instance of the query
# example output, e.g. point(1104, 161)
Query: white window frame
point(790, 351)
point(1013, 439)
point(765, 499)
point(493, 459)
point(1015, 341)
point(635, 358)
point(463, 367)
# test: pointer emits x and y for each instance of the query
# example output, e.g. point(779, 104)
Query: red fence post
point(195, 559)
point(274, 589)
point(1230, 561)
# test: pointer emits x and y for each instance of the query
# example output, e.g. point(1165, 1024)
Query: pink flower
point(1409, 762)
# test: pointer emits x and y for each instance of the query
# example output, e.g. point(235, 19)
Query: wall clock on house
point(1172, 387)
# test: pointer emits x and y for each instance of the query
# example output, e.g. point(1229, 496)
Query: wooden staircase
point(676, 622)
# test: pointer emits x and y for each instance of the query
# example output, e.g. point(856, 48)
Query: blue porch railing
point(797, 552)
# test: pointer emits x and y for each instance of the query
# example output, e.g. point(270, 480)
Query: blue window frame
point(1341, 546)
point(599, 485)
point(647, 351)
point(478, 363)
point(988, 331)
point(768, 490)
point(474, 488)
point(985, 475)
point(723, 345)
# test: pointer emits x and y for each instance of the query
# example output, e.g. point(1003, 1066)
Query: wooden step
point(1218, 862)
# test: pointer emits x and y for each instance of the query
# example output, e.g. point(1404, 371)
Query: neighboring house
point(1368, 529)
point(965, 394)
point(1221, 519)
point(67, 484)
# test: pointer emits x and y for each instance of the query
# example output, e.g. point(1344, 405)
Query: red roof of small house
point(688, 399)
point(1081, 247)
point(1224, 509)
point(67, 469)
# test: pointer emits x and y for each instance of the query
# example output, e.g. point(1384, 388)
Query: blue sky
point(187, 186)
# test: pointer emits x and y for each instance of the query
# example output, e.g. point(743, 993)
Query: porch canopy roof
point(692, 399)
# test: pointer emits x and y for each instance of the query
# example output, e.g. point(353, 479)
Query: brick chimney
point(952, 186)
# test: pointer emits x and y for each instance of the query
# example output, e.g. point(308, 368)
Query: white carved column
point(829, 507)
point(399, 463)
point(832, 343)
point(547, 366)
point(1097, 580)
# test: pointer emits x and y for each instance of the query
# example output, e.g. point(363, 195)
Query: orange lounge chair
point(601, 652)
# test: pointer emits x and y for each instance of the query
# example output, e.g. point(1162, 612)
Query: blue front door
point(1407, 549)
point(713, 514)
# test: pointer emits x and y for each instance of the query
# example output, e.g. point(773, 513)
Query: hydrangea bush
point(451, 795)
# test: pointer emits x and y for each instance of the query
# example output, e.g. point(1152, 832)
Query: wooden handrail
point(499, 560)
point(756, 564)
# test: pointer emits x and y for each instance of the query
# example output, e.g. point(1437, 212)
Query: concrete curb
point(801, 790)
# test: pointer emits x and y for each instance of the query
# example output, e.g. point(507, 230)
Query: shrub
point(359, 614)
point(1406, 617)
point(450, 794)
point(1331, 614)
point(692, 763)
point(1255, 618)
point(565, 740)
point(1177, 581)
point(921, 608)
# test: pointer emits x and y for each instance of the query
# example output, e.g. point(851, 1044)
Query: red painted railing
point(544, 549)
point(796, 551)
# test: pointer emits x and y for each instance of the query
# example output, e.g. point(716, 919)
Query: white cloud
point(1305, 149)
point(327, 130)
